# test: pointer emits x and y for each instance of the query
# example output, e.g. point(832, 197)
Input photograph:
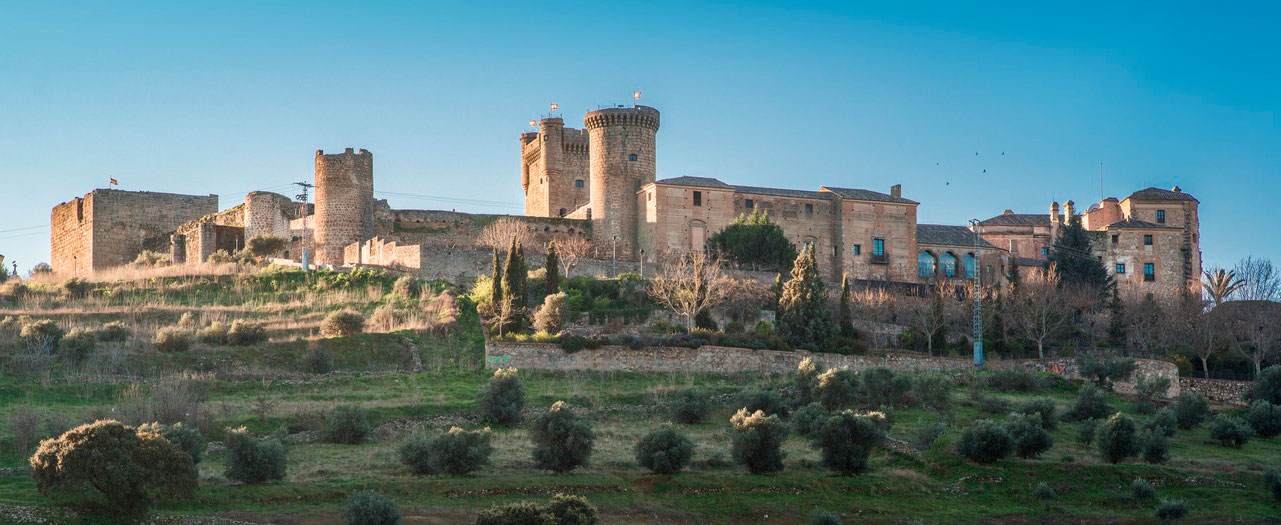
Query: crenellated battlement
point(643, 116)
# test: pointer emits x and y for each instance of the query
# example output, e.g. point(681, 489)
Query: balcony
point(1149, 277)
point(880, 259)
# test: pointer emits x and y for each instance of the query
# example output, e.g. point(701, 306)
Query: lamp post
point(978, 298)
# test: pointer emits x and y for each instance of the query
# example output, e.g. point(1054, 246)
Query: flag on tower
point(532, 123)
point(555, 106)
point(636, 95)
point(114, 182)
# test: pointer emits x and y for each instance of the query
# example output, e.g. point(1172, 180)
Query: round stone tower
point(621, 161)
point(344, 202)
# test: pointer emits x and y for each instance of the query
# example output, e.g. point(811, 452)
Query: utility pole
point(978, 297)
point(302, 204)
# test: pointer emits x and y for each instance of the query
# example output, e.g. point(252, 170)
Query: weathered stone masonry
point(108, 228)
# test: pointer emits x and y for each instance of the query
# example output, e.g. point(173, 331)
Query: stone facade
point(108, 228)
point(621, 143)
point(1219, 391)
point(344, 202)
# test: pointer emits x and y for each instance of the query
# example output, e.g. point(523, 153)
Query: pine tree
point(1117, 333)
point(514, 275)
point(803, 314)
point(1072, 257)
point(553, 269)
point(847, 319)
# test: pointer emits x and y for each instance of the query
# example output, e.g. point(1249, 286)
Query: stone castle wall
point(108, 228)
point(195, 241)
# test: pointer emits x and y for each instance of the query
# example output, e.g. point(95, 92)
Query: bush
point(502, 400)
point(187, 438)
point(172, 339)
point(1044, 409)
point(187, 322)
point(836, 389)
point(1014, 380)
point(985, 442)
point(1165, 422)
point(1116, 438)
point(690, 406)
point(550, 317)
point(562, 440)
point(266, 245)
point(766, 401)
point(1044, 492)
point(928, 433)
point(407, 287)
point(251, 460)
point(756, 441)
point(456, 452)
point(1155, 447)
point(571, 343)
point(342, 323)
point(990, 405)
point(1230, 431)
point(572, 510)
point(76, 288)
point(880, 386)
point(808, 419)
point(415, 453)
point(823, 517)
point(1030, 438)
point(112, 468)
point(846, 440)
point(1104, 370)
point(317, 361)
point(1141, 489)
point(1148, 389)
point(246, 333)
point(113, 332)
point(43, 334)
point(934, 390)
point(1191, 409)
point(1170, 510)
point(1266, 387)
point(1085, 433)
point(664, 451)
point(370, 508)
point(78, 345)
point(152, 258)
point(349, 424)
point(1264, 418)
point(805, 381)
point(215, 334)
point(1091, 403)
point(519, 513)
point(1272, 482)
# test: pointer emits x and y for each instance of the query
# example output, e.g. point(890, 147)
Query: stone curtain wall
point(71, 236)
point(1218, 390)
point(111, 227)
point(720, 359)
point(454, 229)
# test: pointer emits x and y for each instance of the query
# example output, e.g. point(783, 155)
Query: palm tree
point(1220, 284)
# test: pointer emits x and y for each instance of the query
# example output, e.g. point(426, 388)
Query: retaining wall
point(1218, 390)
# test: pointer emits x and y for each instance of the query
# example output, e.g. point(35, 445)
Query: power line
point(456, 200)
point(26, 228)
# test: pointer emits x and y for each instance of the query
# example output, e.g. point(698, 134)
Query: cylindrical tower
point(621, 161)
point(344, 202)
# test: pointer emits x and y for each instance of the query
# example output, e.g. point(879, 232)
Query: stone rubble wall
point(1066, 366)
point(1218, 390)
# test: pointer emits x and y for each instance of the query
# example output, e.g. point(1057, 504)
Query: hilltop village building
point(599, 183)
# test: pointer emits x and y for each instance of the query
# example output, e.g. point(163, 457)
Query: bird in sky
point(984, 171)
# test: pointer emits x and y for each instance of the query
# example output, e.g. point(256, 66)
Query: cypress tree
point(553, 269)
point(1117, 333)
point(514, 275)
point(777, 288)
point(1072, 256)
point(847, 318)
point(496, 286)
point(803, 314)
point(1013, 278)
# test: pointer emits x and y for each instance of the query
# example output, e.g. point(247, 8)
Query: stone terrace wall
point(1218, 390)
point(1066, 366)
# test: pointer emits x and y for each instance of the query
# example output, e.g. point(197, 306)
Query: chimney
point(1177, 190)
point(1008, 212)
point(1069, 211)
point(1054, 221)
point(896, 190)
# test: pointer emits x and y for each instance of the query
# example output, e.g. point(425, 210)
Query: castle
point(599, 183)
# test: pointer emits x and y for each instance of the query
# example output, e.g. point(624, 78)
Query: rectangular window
point(1149, 272)
point(858, 249)
point(1120, 267)
point(1045, 251)
point(1115, 238)
point(698, 198)
point(578, 183)
point(878, 247)
point(809, 208)
point(749, 204)
point(1147, 240)
point(1160, 216)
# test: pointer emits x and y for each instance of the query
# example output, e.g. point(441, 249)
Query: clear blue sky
point(227, 98)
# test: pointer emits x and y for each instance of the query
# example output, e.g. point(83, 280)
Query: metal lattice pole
point(302, 203)
point(978, 298)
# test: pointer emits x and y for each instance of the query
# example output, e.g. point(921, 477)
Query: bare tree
point(1256, 330)
point(690, 284)
point(929, 315)
point(745, 299)
point(571, 250)
point(498, 235)
point(1220, 284)
point(1040, 308)
point(1199, 329)
point(1149, 326)
point(1262, 282)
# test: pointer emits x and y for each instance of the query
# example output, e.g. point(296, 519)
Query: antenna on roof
point(1101, 195)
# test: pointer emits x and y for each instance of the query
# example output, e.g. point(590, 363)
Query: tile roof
point(702, 182)
point(780, 192)
point(1135, 223)
point(1158, 194)
point(867, 195)
point(946, 234)
point(1019, 219)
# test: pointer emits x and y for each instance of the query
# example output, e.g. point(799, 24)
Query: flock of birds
point(949, 183)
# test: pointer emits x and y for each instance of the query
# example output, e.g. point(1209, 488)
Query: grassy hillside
point(425, 378)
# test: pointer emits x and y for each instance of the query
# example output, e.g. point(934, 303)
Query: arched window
point(948, 262)
point(970, 264)
point(925, 264)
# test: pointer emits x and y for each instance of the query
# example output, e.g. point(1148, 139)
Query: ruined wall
point(269, 214)
point(344, 202)
point(381, 252)
point(454, 229)
point(195, 241)
point(119, 225)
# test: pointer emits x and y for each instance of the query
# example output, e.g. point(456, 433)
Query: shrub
point(690, 406)
point(342, 323)
point(1014, 380)
point(76, 288)
point(1148, 389)
point(572, 510)
point(767, 401)
point(246, 333)
point(152, 258)
point(113, 332)
point(1230, 431)
point(78, 345)
point(1116, 438)
point(1030, 438)
point(756, 441)
point(519, 513)
point(370, 508)
point(172, 339)
point(502, 400)
point(985, 442)
point(1264, 418)
point(187, 322)
point(1155, 447)
point(880, 386)
point(1044, 409)
point(1104, 370)
point(349, 424)
point(1170, 510)
point(1191, 409)
point(44, 334)
point(1266, 387)
point(927, 434)
point(808, 419)
point(664, 451)
point(266, 245)
point(571, 343)
point(112, 468)
point(1272, 482)
point(1091, 403)
point(550, 317)
point(214, 334)
point(459, 451)
point(1044, 492)
point(1085, 433)
point(991, 405)
point(562, 440)
point(407, 287)
point(836, 389)
point(1165, 422)
point(251, 460)
point(186, 437)
point(846, 440)
point(823, 517)
point(934, 390)
point(1140, 489)
point(805, 380)
point(415, 454)
point(317, 361)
